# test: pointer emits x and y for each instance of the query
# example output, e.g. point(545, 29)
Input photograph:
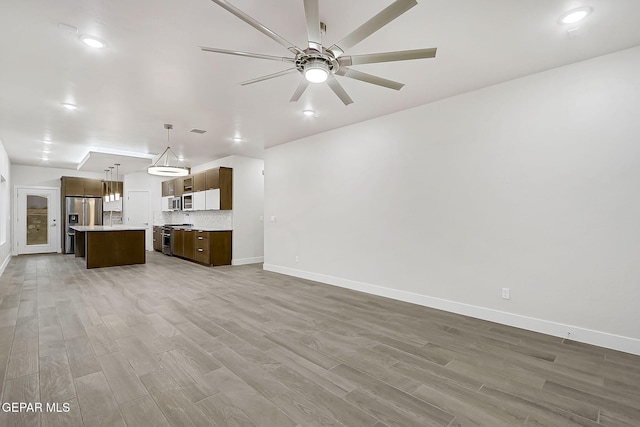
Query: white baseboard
point(245, 261)
point(588, 336)
point(4, 264)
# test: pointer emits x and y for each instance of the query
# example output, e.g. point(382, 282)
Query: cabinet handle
point(200, 250)
point(200, 238)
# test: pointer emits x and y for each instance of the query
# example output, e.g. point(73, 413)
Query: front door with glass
point(37, 221)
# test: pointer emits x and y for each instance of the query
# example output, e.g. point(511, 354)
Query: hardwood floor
point(171, 343)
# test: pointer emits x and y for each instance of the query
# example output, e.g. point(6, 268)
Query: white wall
point(248, 206)
point(5, 209)
point(142, 181)
point(37, 176)
point(530, 185)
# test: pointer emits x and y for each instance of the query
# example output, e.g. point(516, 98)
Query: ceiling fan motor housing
point(314, 60)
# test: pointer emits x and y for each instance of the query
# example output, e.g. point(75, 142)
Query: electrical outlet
point(297, 259)
point(274, 218)
point(506, 294)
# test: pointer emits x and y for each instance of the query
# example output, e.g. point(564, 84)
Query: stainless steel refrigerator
point(80, 211)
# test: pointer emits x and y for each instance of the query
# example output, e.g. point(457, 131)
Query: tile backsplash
point(212, 220)
point(112, 217)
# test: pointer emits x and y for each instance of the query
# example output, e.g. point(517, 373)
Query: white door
point(137, 213)
point(137, 208)
point(37, 220)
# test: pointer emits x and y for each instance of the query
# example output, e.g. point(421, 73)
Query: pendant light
point(163, 166)
point(112, 197)
point(117, 191)
point(106, 182)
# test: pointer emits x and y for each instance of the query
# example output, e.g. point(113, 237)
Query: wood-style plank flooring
point(172, 343)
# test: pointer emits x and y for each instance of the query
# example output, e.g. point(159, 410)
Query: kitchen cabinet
point(219, 248)
point(212, 178)
point(167, 188)
point(199, 182)
point(221, 179)
point(187, 184)
point(157, 238)
point(212, 199)
point(93, 188)
point(213, 247)
point(178, 242)
point(188, 244)
point(72, 186)
point(199, 201)
point(217, 183)
point(178, 186)
point(83, 187)
point(203, 247)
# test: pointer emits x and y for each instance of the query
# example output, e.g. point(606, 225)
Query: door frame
point(55, 211)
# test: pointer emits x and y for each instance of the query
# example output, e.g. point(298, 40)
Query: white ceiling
point(153, 72)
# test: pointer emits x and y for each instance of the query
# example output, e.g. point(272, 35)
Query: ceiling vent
point(199, 131)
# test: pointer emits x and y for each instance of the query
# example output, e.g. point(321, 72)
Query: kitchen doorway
point(36, 220)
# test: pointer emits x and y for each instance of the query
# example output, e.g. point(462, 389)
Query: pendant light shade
point(165, 165)
point(106, 183)
point(117, 190)
point(112, 197)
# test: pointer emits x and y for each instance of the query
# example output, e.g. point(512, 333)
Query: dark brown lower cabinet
point(204, 247)
point(110, 248)
point(188, 243)
point(178, 242)
point(157, 238)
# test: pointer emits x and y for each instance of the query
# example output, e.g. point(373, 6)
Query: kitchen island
point(108, 246)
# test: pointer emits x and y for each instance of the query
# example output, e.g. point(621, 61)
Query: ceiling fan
point(319, 64)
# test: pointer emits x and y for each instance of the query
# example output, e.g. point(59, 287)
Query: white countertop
point(195, 228)
point(118, 227)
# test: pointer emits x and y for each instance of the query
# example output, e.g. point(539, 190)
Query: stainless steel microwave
point(175, 203)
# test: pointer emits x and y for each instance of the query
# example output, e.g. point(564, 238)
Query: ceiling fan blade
point(258, 26)
point(247, 54)
point(401, 55)
point(300, 90)
point(269, 76)
point(339, 90)
point(368, 78)
point(312, 13)
point(392, 11)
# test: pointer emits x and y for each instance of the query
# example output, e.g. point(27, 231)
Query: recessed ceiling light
point(69, 106)
point(47, 141)
point(237, 139)
point(575, 15)
point(46, 151)
point(92, 41)
point(45, 158)
point(309, 113)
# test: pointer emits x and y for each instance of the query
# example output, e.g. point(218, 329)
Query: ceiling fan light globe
point(316, 75)
point(316, 71)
